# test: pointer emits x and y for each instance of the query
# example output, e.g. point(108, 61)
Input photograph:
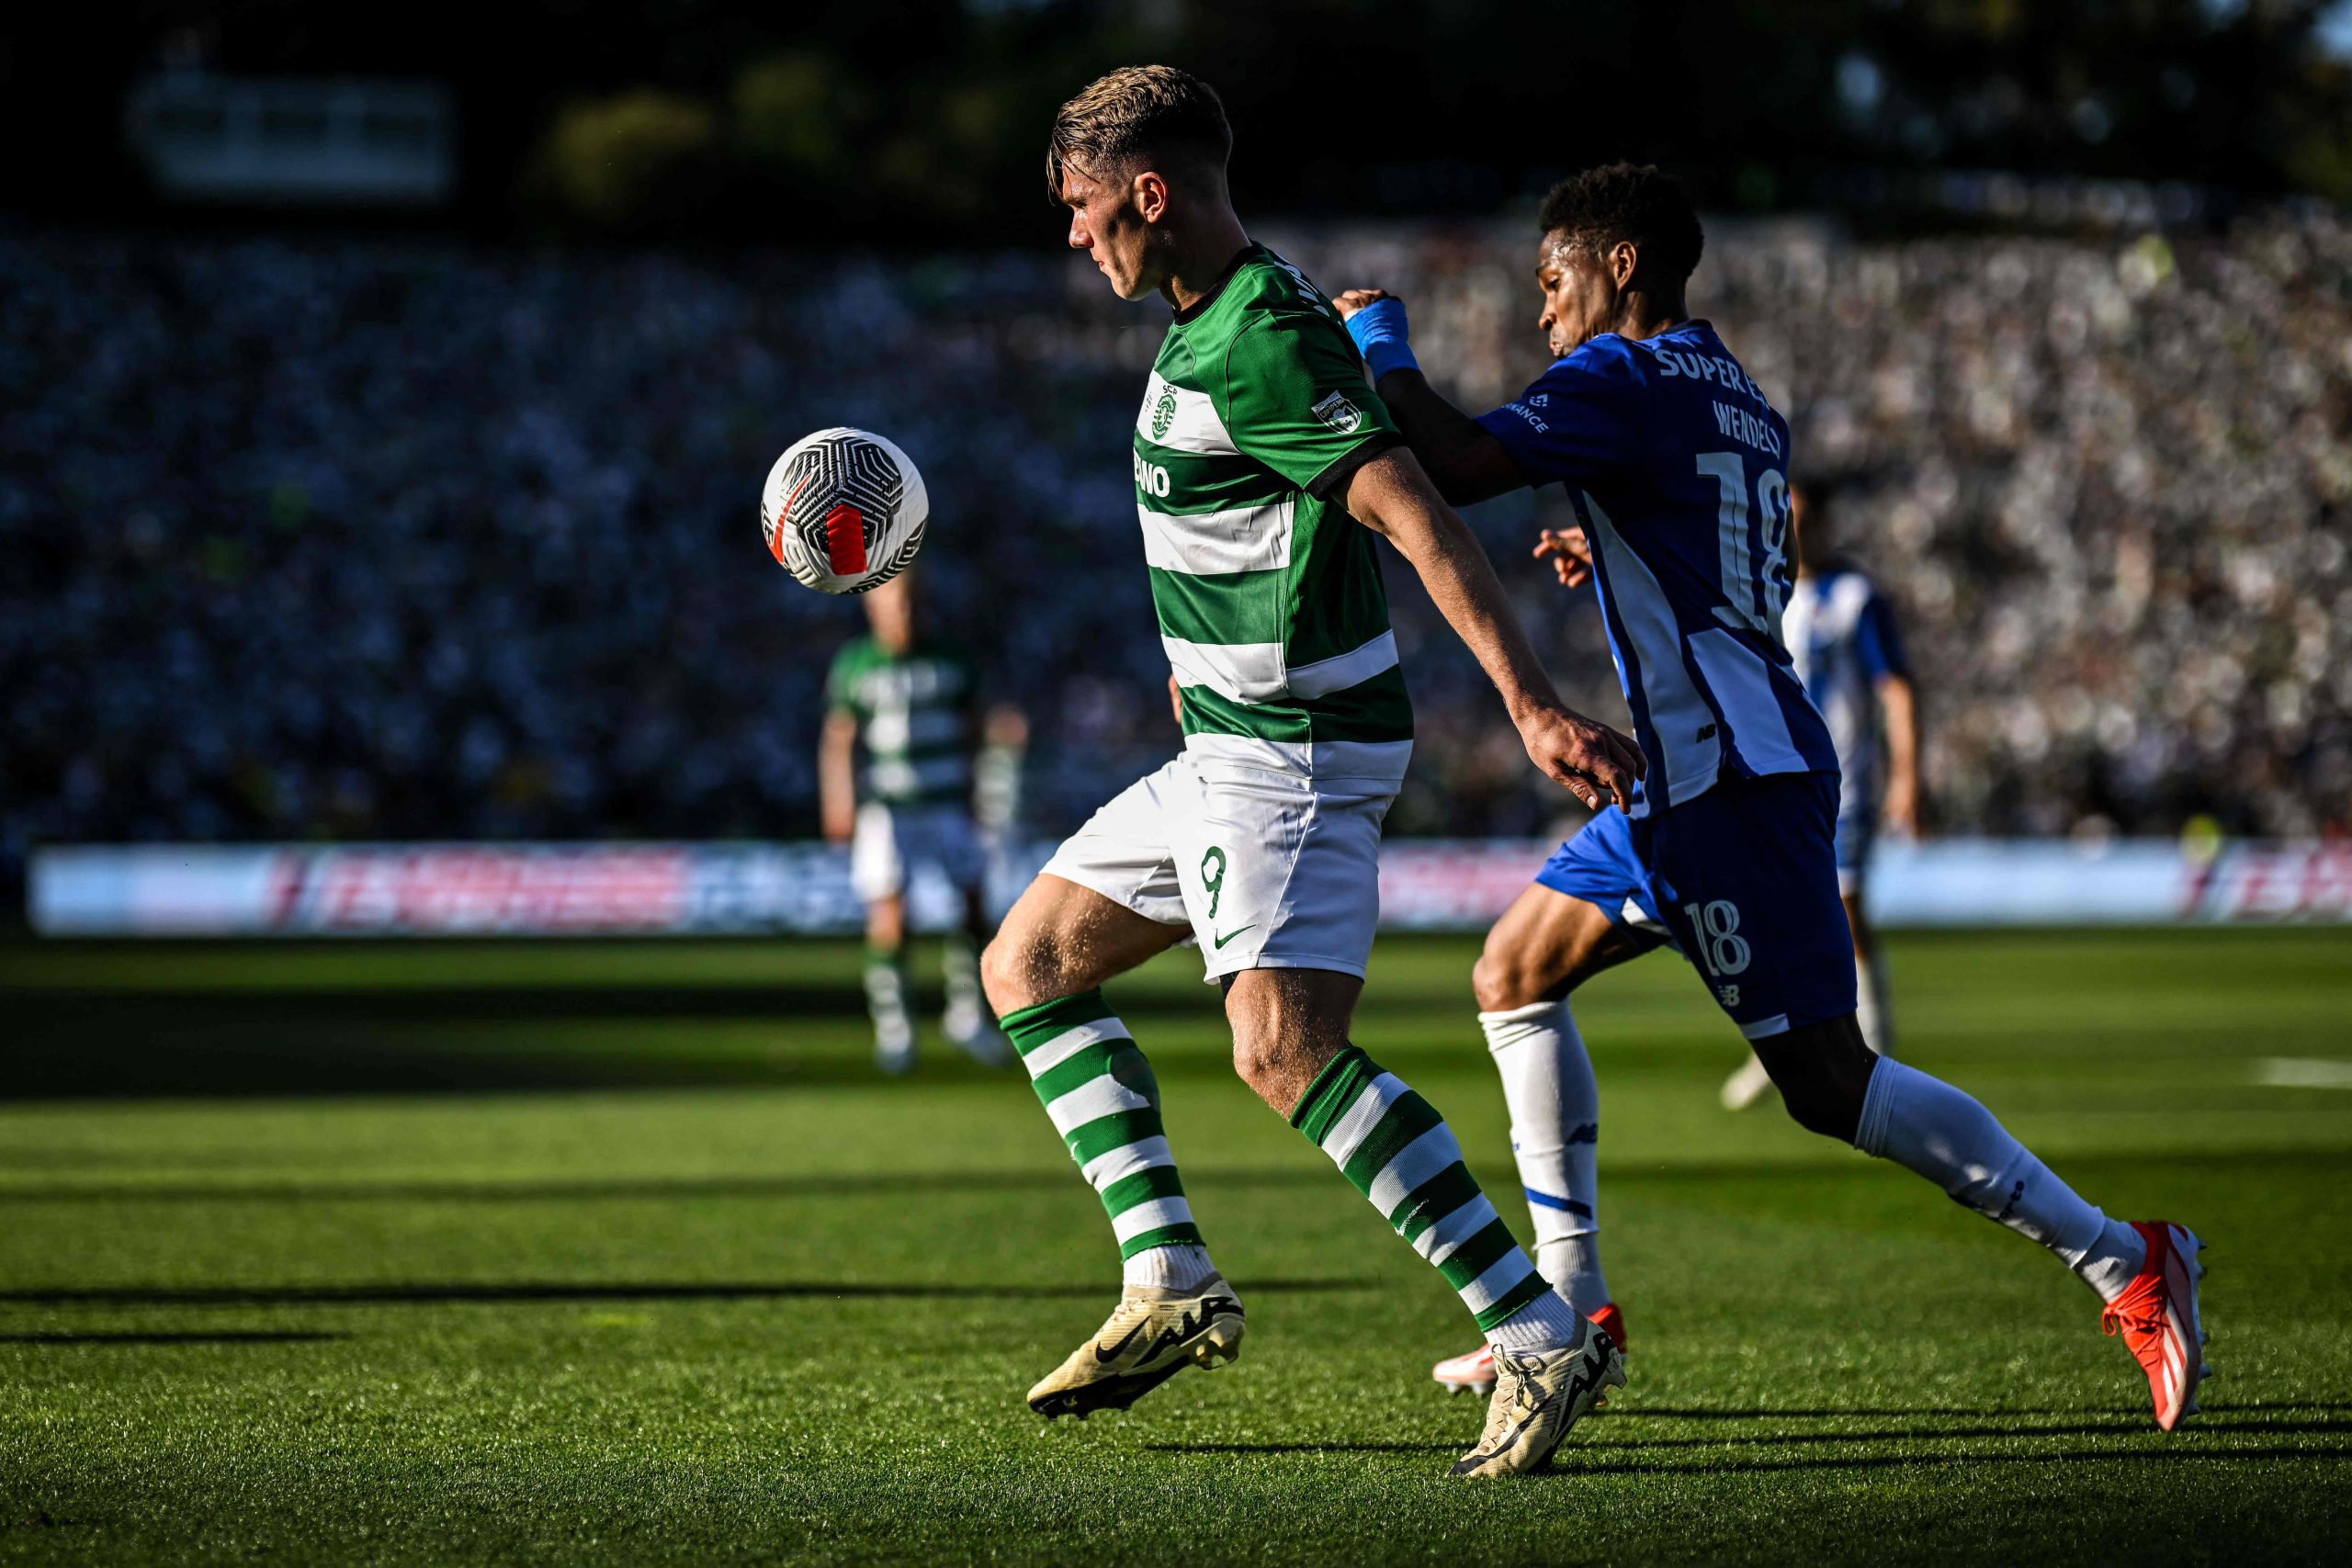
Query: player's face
point(1579, 298)
point(1106, 221)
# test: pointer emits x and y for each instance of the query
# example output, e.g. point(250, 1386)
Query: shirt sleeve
point(1574, 422)
point(1877, 641)
point(1295, 399)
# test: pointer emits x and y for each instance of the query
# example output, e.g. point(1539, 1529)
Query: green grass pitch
point(619, 1253)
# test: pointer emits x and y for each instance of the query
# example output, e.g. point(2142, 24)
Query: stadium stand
point(319, 539)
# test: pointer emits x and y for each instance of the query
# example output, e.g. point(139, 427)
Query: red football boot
point(1475, 1371)
point(2157, 1317)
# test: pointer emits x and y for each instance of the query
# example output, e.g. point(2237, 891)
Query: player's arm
point(836, 775)
point(1462, 457)
point(1292, 398)
point(1900, 703)
point(1391, 494)
point(1880, 643)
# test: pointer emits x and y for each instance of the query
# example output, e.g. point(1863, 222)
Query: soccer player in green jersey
point(912, 702)
point(1264, 465)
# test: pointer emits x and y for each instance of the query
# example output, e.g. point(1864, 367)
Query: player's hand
point(1176, 699)
point(1901, 807)
point(1355, 300)
point(1569, 552)
point(1598, 766)
point(840, 827)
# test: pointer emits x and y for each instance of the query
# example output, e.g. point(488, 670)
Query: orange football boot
point(2158, 1316)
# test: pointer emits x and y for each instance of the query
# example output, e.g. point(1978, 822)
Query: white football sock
point(1170, 1267)
point(960, 969)
point(1554, 1135)
point(1928, 1127)
point(1872, 1011)
point(1547, 1323)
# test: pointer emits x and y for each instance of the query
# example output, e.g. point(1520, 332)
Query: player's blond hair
point(1137, 112)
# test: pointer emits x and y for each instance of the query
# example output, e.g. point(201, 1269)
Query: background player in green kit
point(1263, 465)
point(910, 703)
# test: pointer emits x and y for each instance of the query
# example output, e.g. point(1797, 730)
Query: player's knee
point(1008, 969)
point(1819, 1107)
point(1504, 982)
point(1823, 1073)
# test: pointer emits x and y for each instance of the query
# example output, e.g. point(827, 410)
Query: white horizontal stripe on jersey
point(1091, 1101)
point(896, 775)
point(1192, 425)
point(1678, 713)
point(894, 729)
point(1254, 672)
point(1765, 1028)
point(1742, 682)
point(1246, 672)
point(1357, 665)
point(1241, 539)
point(1070, 1042)
point(1325, 762)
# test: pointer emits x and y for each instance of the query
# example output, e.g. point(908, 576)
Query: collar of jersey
point(1192, 313)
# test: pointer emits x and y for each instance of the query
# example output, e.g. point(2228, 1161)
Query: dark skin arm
point(1462, 457)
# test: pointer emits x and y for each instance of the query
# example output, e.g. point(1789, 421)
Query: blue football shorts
point(1743, 881)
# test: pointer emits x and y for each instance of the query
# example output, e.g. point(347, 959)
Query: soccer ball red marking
point(846, 539)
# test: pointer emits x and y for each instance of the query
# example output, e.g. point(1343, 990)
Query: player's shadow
point(878, 1184)
point(459, 1293)
point(109, 1044)
point(206, 1337)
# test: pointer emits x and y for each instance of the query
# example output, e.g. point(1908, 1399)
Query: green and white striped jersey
point(1268, 594)
point(914, 719)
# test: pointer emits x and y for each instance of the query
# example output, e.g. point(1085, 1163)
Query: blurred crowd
point(367, 540)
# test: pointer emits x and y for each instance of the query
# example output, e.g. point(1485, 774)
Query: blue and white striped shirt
point(1843, 641)
point(1678, 467)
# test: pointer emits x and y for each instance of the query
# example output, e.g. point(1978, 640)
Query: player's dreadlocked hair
point(1593, 210)
point(1137, 111)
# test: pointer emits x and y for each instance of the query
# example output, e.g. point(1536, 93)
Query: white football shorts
point(891, 840)
point(1270, 869)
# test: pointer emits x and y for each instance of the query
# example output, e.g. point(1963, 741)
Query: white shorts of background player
point(891, 840)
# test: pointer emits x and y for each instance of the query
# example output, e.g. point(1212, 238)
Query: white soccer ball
point(844, 511)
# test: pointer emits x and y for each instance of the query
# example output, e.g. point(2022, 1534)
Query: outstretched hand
point(1598, 766)
point(1569, 552)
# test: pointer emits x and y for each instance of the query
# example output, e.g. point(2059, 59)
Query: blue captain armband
point(1381, 334)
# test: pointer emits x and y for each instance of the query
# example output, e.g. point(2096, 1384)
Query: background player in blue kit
point(1845, 645)
point(1677, 466)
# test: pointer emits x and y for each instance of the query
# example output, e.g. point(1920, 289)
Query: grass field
point(619, 1253)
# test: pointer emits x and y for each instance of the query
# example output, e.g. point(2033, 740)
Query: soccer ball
point(844, 511)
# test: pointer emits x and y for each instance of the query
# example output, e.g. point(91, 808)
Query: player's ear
point(1624, 257)
point(1150, 195)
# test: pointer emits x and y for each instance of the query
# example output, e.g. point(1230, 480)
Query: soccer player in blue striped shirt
point(1677, 465)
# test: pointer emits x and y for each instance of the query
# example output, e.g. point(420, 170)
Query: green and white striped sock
point(886, 1002)
point(1105, 1102)
point(1399, 1153)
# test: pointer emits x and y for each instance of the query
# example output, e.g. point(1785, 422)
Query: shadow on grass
point(217, 1337)
point(438, 1294)
point(113, 1045)
point(1569, 1467)
point(881, 1184)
